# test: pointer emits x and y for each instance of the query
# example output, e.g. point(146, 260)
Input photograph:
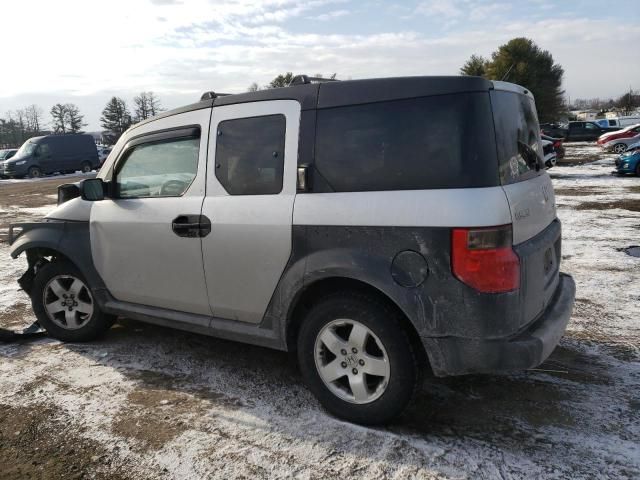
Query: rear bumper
point(528, 349)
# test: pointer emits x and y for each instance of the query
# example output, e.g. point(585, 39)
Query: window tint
point(160, 169)
point(517, 136)
point(443, 141)
point(591, 126)
point(613, 123)
point(250, 155)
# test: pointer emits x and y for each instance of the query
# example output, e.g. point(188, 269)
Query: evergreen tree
point(115, 118)
point(521, 61)
point(475, 66)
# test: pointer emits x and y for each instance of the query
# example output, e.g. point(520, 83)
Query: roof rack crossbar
point(305, 80)
point(212, 95)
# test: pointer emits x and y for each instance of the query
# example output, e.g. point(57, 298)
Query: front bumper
point(528, 349)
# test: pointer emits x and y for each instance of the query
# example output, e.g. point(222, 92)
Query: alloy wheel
point(68, 302)
point(352, 361)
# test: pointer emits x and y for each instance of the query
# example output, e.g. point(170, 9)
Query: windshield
point(26, 149)
point(517, 136)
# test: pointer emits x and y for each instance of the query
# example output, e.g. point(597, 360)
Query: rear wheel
point(619, 148)
point(85, 167)
point(357, 359)
point(65, 306)
point(34, 172)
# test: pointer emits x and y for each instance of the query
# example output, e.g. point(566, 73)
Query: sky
point(86, 51)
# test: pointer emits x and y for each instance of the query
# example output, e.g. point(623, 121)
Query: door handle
point(191, 226)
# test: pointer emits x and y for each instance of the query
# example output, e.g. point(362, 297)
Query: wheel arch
point(315, 291)
point(61, 240)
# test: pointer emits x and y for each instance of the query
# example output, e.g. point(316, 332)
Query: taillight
point(557, 144)
point(483, 258)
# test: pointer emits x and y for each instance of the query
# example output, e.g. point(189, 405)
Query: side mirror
point(92, 189)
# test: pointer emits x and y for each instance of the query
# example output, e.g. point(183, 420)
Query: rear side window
point(250, 155)
point(443, 141)
point(517, 136)
point(159, 169)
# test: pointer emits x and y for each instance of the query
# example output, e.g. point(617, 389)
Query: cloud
point(181, 50)
point(439, 8)
point(330, 15)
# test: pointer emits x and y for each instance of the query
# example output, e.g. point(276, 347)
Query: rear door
point(251, 188)
point(528, 188)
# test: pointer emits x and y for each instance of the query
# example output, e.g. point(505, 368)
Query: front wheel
point(35, 172)
point(619, 148)
point(638, 170)
point(65, 306)
point(85, 167)
point(356, 358)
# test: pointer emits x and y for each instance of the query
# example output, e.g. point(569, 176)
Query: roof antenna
point(504, 77)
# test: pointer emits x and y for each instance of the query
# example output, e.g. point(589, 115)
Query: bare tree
point(254, 87)
point(147, 105)
point(34, 118)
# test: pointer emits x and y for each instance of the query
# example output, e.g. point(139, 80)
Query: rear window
point(443, 141)
point(517, 136)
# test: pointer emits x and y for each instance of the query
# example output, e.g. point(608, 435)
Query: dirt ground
point(149, 402)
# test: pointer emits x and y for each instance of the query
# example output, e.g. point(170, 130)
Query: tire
point(85, 167)
point(619, 148)
point(380, 400)
point(34, 172)
point(638, 170)
point(80, 319)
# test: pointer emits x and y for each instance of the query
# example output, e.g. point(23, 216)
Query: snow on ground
point(7, 181)
point(148, 402)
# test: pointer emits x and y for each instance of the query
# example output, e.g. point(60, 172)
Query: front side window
point(250, 155)
point(591, 126)
point(159, 169)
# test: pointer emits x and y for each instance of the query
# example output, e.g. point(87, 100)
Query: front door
point(142, 241)
point(251, 187)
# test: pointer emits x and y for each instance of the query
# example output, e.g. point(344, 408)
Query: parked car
point(318, 219)
point(549, 153)
point(53, 153)
point(557, 145)
point(103, 153)
point(6, 154)
point(620, 145)
point(579, 131)
point(629, 162)
point(627, 132)
point(608, 122)
point(555, 130)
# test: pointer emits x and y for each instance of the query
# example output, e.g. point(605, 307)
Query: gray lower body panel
point(528, 349)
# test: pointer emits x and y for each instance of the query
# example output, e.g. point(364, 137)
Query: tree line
point(17, 126)
point(626, 103)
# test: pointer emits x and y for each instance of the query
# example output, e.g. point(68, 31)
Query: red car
point(628, 132)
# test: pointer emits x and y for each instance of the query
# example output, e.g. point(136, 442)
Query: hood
point(76, 210)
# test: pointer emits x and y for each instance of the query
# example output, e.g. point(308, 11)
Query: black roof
point(348, 92)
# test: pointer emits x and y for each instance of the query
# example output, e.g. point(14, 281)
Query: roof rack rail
point(305, 79)
point(212, 95)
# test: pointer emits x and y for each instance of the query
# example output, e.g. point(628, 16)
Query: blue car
point(629, 161)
